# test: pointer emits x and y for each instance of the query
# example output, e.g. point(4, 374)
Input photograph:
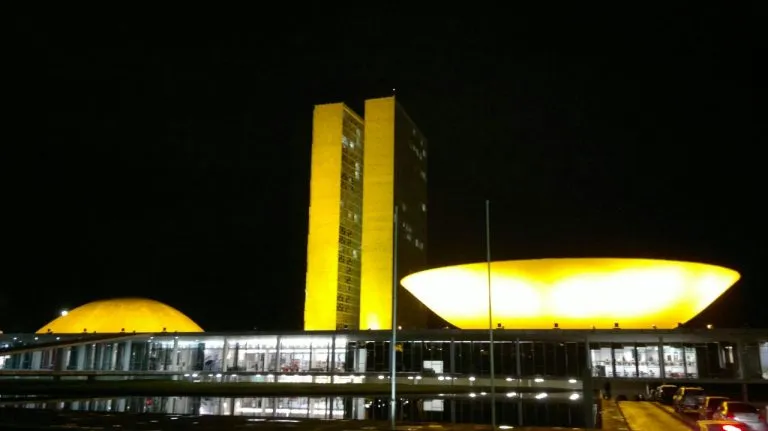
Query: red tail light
point(729, 415)
point(731, 428)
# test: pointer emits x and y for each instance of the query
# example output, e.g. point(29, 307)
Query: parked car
point(720, 426)
point(688, 398)
point(709, 405)
point(742, 412)
point(665, 393)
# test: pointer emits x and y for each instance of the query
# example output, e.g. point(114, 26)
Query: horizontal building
point(559, 357)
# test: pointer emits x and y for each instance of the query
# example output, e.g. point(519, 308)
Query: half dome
point(122, 314)
point(574, 293)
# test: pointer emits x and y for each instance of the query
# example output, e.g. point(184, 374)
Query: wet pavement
point(647, 416)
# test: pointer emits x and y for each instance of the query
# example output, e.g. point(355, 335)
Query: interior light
point(574, 397)
point(572, 381)
point(541, 396)
point(538, 380)
point(64, 313)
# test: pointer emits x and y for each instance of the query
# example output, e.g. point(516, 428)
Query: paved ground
point(612, 418)
point(645, 416)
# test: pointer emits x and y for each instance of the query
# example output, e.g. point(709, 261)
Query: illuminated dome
point(124, 314)
point(574, 293)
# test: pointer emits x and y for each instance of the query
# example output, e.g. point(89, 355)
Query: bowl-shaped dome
point(123, 314)
point(574, 293)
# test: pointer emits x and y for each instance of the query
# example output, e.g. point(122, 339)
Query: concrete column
point(37, 360)
point(90, 362)
point(62, 358)
point(175, 365)
point(663, 373)
point(99, 353)
point(277, 357)
point(113, 357)
point(81, 357)
point(588, 390)
point(452, 350)
point(224, 354)
point(519, 366)
point(738, 346)
point(333, 359)
point(126, 359)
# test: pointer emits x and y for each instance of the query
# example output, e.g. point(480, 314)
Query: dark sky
point(169, 157)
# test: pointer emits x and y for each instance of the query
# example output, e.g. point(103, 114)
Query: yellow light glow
point(124, 314)
point(324, 213)
point(323, 281)
point(574, 293)
point(378, 214)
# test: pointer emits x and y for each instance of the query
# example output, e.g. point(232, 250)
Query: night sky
point(168, 157)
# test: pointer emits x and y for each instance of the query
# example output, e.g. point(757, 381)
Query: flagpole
point(392, 345)
point(490, 309)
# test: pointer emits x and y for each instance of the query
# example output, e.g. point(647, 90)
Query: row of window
point(546, 359)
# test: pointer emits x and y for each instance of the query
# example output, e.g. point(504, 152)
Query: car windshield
point(741, 408)
point(694, 392)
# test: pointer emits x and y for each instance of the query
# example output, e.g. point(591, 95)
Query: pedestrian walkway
point(645, 416)
point(612, 418)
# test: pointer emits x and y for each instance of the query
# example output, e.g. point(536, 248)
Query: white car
point(741, 412)
point(721, 426)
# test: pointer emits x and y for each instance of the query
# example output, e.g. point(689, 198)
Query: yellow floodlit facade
point(361, 169)
point(574, 293)
point(122, 315)
point(335, 219)
point(378, 214)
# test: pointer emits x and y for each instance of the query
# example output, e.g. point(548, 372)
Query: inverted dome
point(123, 314)
point(574, 293)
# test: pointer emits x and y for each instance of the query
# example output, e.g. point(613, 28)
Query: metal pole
point(490, 309)
point(392, 346)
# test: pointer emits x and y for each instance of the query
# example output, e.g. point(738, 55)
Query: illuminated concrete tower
point(335, 220)
point(354, 187)
point(395, 174)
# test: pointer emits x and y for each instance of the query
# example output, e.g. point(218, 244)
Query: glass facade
point(410, 194)
point(352, 356)
point(350, 223)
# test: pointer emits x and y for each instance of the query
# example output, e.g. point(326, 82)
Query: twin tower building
point(363, 167)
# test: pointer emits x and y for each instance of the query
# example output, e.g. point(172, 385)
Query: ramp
point(644, 416)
